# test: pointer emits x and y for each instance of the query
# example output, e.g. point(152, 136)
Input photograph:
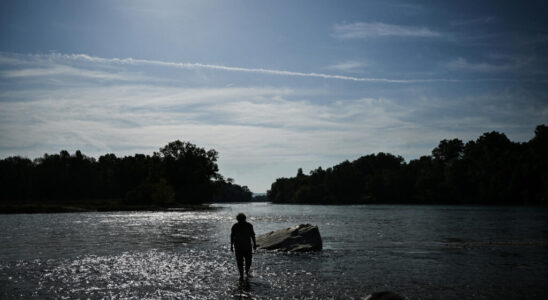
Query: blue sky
point(271, 85)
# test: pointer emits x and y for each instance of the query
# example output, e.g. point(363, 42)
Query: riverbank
point(95, 207)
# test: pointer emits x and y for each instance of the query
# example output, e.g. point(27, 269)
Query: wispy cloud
point(60, 70)
point(363, 30)
point(347, 66)
point(282, 126)
point(233, 120)
point(59, 59)
point(191, 66)
point(244, 124)
point(513, 64)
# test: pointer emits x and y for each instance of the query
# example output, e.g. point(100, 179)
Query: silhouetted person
point(241, 236)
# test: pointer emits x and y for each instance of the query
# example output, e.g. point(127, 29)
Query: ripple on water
point(192, 273)
point(150, 274)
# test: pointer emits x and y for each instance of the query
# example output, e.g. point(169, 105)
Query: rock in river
point(300, 238)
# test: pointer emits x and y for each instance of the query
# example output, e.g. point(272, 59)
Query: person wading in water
point(240, 238)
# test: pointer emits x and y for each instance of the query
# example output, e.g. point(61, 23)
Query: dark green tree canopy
point(179, 173)
point(448, 150)
point(490, 170)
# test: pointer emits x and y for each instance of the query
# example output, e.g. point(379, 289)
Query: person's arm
point(253, 237)
point(232, 239)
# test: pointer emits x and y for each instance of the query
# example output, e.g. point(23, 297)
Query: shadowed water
point(422, 252)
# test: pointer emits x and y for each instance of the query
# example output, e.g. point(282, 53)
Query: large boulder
point(300, 238)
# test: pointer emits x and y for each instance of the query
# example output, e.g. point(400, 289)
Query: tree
point(448, 150)
point(190, 170)
point(179, 173)
point(490, 170)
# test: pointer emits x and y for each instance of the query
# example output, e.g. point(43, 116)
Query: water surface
point(422, 252)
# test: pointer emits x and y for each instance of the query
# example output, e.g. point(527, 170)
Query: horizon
point(272, 87)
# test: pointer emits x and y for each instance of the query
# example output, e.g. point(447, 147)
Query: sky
point(273, 86)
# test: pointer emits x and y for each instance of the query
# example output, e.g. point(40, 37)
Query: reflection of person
point(240, 238)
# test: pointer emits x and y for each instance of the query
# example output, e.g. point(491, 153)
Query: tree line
point(490, 170)
point(180, 173)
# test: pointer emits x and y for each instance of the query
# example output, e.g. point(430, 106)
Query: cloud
point(61, 59)
point(134, 116)
point(244, 124)
point(60, 70)
point(508, 64)
point(364, 30)
point(191, 66)
point(347, 66)
point(277, 128)
point(248, 126)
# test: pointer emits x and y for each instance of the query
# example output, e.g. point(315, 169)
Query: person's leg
point(248, 258)
point(240, 262)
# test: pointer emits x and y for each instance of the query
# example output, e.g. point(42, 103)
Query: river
point(420, 252)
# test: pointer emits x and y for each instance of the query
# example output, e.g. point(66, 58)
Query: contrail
point(184, 65)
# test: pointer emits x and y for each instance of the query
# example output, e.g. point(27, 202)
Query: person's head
point(240, 217)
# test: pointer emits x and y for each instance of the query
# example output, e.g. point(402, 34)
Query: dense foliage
point(489, 170)
point(180, 173)
point(227, 191)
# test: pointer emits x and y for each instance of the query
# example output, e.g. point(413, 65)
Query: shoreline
point(71, 208)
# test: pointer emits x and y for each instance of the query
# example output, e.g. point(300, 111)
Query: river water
point(421, 252)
